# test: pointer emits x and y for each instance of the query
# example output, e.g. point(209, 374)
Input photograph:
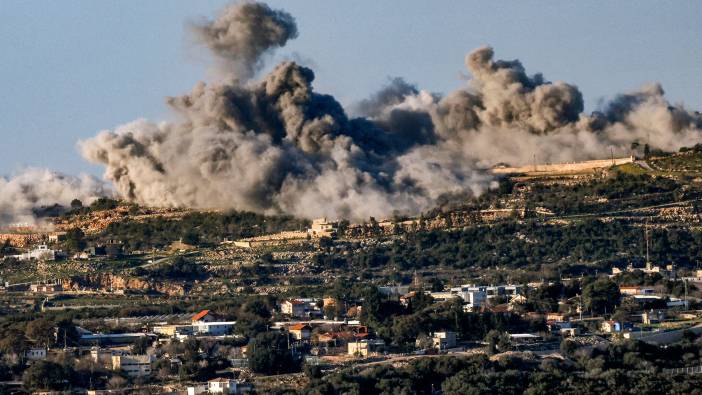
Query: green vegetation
point(270, 354)
point(197, 228)
point(626, 368)
point(531, 245)
point(621, 191)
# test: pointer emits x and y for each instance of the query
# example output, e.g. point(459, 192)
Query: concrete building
point(443, 340)
point(610, 326)
point(112, 338)
point(557, 316)
point(215, 328)
point(322, 228)
point(443, 296)
point(366, 347)
point(174, 330)
point(652, 317)
point(103, 356)
point(46, 288)
point(636, 290)
point(35, 354)
point(197, 389)
point(293, 308)
point(41, 253)
point(300, 331)
point(203, 316)
point(55, 237)
point(473, 297)
point(228, 386)
point(133, 365)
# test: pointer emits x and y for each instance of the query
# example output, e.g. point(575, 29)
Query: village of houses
point(341, 339)
point(334, 342)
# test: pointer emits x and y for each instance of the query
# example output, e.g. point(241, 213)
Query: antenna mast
point(648, 261)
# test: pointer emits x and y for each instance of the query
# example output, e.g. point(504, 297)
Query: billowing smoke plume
point(23, 194)
point(505, 115)
point(245, 32)
point(275, 145)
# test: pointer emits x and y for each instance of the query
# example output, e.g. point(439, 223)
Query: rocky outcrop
point(106, 281)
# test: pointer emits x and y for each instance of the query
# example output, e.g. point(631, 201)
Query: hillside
point(551, 223)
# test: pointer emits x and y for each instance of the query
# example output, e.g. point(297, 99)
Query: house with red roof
point(300, 331)
point(204, 316)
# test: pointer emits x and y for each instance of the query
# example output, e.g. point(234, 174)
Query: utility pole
point(534, 158)
point(648, 261)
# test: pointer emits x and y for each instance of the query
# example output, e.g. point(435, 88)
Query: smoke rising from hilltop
point(243, 33)
point(276, 145)
point(34, 188)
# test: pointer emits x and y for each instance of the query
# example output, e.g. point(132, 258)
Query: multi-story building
point(294, 308)
point(365, 347)
point(133, 365)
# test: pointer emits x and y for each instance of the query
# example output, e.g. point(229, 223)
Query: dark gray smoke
point(243, 33)
point(276, 145)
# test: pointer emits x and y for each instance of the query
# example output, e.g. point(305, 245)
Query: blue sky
point(71, 68)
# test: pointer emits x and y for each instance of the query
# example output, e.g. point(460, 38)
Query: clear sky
point(73, 67)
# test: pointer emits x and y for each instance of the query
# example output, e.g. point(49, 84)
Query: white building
point(42, 252)
point(197, 389)
point(473, 297)
point(35, 354)
point(216, 328)
point(133, 365)
point(227, 386)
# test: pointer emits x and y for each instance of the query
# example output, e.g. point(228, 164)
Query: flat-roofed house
point(293, 308)
point(133, 365)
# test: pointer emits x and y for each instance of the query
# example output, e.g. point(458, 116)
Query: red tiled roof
point(298, 327)
point(200, 315)
point(295, 301)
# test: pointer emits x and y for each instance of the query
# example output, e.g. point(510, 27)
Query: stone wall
point(564, 167)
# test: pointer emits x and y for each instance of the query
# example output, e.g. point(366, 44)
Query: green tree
point(141, 345)
point(601, 295)
point(497, 341)
point(568, 347)
point(269, 354)
point(42, 331)
point(75, 240)
point(45, 375)
point(13, 342)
